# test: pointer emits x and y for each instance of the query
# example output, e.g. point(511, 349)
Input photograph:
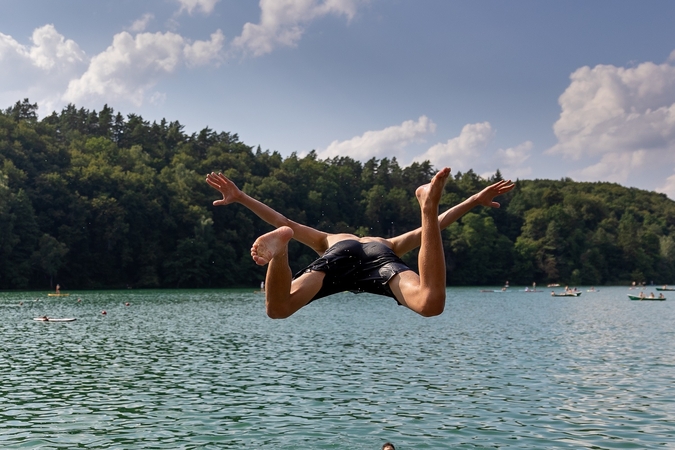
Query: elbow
point(277, 313)
point(434, 306)
point(432, 312)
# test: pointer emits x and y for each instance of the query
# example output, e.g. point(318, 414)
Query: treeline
point(98, 200)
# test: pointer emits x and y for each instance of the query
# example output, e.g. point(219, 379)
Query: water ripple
point(207, 370)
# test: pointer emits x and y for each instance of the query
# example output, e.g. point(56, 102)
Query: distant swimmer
point(358, 264)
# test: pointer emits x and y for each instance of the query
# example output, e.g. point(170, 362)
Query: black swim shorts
point(353, 266)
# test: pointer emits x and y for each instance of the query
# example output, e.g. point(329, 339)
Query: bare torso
point(332, 239)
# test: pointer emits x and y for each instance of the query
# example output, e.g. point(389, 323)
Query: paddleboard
point(49, 319)
point(58, 295)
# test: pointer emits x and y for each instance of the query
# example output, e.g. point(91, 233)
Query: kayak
point(49, 319)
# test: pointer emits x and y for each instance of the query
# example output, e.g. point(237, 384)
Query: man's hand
point(487, 195)
point(222, 184)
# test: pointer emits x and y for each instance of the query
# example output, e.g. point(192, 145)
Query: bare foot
point(270, 245)
point(429, 195)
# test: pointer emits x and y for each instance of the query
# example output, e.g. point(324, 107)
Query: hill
point(97, 200)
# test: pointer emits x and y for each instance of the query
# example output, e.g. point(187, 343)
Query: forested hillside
point(97, 200)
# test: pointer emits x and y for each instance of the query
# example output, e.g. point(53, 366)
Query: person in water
point(352, 263)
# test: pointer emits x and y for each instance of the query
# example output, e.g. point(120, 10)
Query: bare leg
point(282, 296)
point(425, 293)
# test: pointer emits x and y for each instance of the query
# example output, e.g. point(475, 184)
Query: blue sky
point(536, 89)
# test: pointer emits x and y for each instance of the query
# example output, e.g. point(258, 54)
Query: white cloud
point(16, 56)
point(463, 151)
point(141, 24)
point(510, 161)
point(54, 70)
point(157, 98)
point(282, 23)
point(39, 71)
point(9, 47)
point(668, 187)
point(388, 142)
point(132, 65)
point(623, 116)
point(203, 52)
point(50, 53)
point(205, 6)
point(615, 167)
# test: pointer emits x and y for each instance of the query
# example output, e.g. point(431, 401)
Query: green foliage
point(95, 199)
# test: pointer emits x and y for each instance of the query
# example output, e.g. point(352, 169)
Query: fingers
point(218, 181)
point(212, 183)
point(503, 186)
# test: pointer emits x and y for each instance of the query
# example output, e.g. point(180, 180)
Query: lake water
point(208, 370)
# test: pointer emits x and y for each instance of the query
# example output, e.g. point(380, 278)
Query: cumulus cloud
point(462, 151)
point(51, 52)
point(282, 23)
point(668, 187)
point(141, 24)
point(41, 70)
point(205, 6)
point(388, 142)
point(134, 64)
point(16, 56)
point(616, 167)
point(9, 47)
point(511, 160)
point(204, 52)
point(54, 70)
point(623, 117)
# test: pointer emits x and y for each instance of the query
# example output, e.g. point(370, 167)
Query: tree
point(50, 256)
point(106, 200)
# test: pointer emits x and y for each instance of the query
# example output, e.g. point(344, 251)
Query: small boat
point(637, 297)
point(665, 288)
point(57, 295)
point(51, 319)
point(566, 294)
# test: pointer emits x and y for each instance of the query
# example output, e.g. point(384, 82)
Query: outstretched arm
point(408, 241)
point(311, 237)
